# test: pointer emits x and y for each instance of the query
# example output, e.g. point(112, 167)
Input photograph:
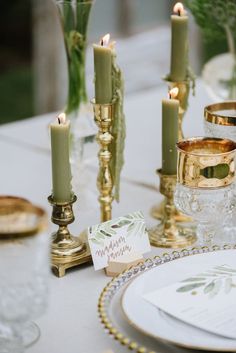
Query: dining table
point(70, 322)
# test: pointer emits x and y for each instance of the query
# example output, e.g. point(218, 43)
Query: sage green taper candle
point(170, 109)
point(61, 172)
point(179, 44)
point(103, 71)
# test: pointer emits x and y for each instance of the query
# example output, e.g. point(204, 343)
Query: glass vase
point(219, 76)
point(74, 18)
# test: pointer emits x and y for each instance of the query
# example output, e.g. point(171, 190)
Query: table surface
point(71, 323)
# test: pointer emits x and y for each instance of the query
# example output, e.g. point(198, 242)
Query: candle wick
point(102, 42)
point(59, 121)
point(170, 95)
point(179, 13)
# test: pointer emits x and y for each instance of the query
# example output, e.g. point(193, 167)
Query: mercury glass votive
point(205, 183)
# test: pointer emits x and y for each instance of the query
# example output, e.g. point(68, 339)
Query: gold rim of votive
point(206, 162)
point(14, 218)
point(212, 115)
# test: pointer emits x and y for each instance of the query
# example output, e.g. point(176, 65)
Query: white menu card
point(206, 300)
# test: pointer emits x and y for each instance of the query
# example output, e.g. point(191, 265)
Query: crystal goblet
point(220, 121)
point(205, 189)
point(24, 271)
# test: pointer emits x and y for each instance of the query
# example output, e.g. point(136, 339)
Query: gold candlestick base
point(168, 233)
point(66, 250)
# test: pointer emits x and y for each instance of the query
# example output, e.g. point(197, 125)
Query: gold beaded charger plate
point(137, 324)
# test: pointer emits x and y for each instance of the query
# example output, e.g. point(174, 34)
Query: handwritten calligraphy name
point(115, 249)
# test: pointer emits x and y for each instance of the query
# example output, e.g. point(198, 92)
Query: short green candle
point(60, 151)
point(103, 71)
point(170, 109)
point(179, 44)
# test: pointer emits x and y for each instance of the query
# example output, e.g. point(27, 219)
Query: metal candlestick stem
point(103, 116)
point(168, 233)
point(66, 250)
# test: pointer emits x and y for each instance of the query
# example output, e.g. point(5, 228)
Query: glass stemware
point(205, 189)
point(220, 121)
point(24, 272)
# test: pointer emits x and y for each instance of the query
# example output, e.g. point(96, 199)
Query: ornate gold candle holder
point(103, 116)
point(157, 211)
point(168, 233)
point(66, 250)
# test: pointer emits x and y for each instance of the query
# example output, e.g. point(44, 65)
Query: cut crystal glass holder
point(205, 183)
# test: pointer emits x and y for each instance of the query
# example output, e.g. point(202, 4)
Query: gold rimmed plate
point(144, 328)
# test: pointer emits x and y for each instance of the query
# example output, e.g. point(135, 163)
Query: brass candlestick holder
point(168, 233)
point(157, 211)
point(103, 116)
point(66, 250)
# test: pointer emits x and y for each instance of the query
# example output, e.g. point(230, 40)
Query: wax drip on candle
point(61, 118)
point(105, 40)
point(179, 9)
point(173, 93)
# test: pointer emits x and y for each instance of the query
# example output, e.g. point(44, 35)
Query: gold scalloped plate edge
point(163, 258)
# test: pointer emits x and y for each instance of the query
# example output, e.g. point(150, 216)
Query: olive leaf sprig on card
point(134, 224)
point(211, 281)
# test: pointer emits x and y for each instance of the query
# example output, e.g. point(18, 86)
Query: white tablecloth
point(71, 323)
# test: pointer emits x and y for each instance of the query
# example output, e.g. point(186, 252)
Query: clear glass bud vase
point(74, 18)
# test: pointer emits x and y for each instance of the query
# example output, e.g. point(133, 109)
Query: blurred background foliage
point(124, 17)
point(16, 92)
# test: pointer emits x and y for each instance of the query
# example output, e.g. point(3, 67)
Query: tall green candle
point(61, 172)
point(103, 71)
point(179, 44)
point(170, 109)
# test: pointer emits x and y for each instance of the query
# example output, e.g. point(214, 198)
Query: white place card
point(205, 300)
point(119, 237)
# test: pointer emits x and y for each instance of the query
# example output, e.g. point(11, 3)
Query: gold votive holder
point(205, 188)
point(67, 251)
point(19, 218)
point(169, 233)
point(223, 113)
point(206, 162)
point(103, 116)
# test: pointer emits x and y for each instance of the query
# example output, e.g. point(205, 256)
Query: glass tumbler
point(205, 189)
point(24, 272)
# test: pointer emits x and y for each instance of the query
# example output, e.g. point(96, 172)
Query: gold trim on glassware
point(206, 162)
point(20, 218)
point(212, 113)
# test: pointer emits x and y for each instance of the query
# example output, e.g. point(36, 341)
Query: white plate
point(153, 322)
